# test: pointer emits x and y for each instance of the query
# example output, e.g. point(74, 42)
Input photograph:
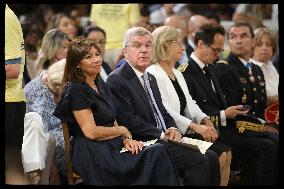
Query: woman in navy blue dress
point(87, 106)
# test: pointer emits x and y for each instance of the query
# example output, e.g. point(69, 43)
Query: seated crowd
point(128, 119)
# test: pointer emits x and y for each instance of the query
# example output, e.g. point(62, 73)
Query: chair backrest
point(68, 154)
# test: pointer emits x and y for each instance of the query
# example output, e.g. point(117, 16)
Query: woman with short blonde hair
point(265, 47)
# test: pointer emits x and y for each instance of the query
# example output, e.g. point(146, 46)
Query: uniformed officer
point(241, 81)
point(210, 98)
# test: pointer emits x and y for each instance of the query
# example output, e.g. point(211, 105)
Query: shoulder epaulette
point(182, 67)
point(222, 62)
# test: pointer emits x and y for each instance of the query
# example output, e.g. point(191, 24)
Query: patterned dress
point(41, 100)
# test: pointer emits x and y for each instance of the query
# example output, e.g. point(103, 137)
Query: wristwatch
point(189, 131)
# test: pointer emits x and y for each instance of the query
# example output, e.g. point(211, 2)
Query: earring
point(79, 69)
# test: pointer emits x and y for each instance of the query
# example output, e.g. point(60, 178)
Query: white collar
point(243, 61)
point(137, 72)
point(260, 64)
point(199, 62)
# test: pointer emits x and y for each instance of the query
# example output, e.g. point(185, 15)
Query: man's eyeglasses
point(216, 50)
point(137, 45)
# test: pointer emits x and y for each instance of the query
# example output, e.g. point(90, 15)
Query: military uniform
point(246, 86)
point(212, 102)
point(201, 91)
point(242, 86)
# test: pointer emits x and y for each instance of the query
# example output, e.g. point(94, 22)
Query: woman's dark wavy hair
point(77, 50)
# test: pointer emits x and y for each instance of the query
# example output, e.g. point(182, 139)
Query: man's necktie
point(248, 66)
point(209, 77)
point(207, 73)
point(158, 116)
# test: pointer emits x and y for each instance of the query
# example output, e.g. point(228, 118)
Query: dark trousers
point(194, 167)
point(14, 124)
point(215, 174)
point(275, 139)
point(14, 132)
point(260, 152)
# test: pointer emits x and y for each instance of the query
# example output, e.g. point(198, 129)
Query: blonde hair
point(51, 44)
point(162, 36)
point(259, 32)
point(55, 74)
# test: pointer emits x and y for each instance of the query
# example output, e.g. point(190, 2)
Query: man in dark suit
point(209, 96)
point(140, 109)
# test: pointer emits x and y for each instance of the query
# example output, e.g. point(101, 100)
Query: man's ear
point(200, 43)
point(124, 51)
point(253, 43)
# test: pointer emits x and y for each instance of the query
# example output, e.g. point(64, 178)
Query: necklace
point(169, 72)
point(95, 88)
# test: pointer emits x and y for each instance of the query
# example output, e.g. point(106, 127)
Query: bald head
point(177, 22)
point(194, 23)
point(173, 21)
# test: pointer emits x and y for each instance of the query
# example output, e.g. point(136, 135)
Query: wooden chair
point(73, 178)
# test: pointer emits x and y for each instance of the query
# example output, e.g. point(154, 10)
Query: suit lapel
point(218, 90)
point(202, 80)
point(239, 65)
point(129, 74)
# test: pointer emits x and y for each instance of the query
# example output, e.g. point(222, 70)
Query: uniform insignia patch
point(182, 67)
point(244, 98)
point(222, 62)
point(243, 80)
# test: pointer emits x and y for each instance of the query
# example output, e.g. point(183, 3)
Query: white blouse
point(271, 77)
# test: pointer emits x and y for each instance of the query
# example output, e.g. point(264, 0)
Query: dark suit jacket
point(237, 86)
point(133, 108)
point(210, 102)
point(106, 67)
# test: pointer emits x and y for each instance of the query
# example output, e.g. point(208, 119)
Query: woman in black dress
point(87, 106)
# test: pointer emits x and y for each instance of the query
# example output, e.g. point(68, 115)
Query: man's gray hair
point(135, 31)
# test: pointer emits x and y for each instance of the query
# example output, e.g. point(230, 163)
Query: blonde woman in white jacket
point(176, 98)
